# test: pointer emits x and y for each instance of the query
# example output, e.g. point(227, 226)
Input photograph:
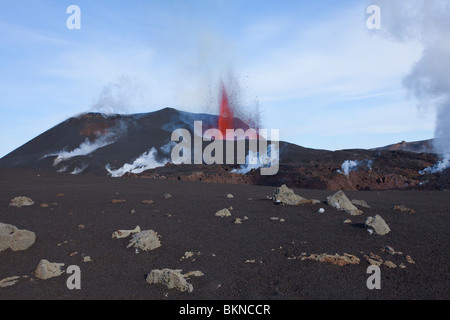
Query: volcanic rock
point(10, 281)
point(373, 259)
point(378, 225)
point(15, 239)
point(46, 270)
point(390, 250)
point(410, 260)
point(340, 201)
point(21, 202)
point(360, 203)
point(125, 233)
point(145, 240)
point(223, 213)
point(172, 279)
point(287, 196)
point(390, 264)
point(402, 208)
point(335, 259)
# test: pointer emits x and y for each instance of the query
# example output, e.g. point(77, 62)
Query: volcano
point(139, 145)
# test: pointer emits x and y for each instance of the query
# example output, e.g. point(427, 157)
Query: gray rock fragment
point(46, 270)
point(13, 238)
point(378, 225)
point(340, 201)
point(145, 240)
point(21, 202)
point(173, 279)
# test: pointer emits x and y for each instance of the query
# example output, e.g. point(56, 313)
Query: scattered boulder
point(360, 203)
point(373, 259)
point(167, 196)
point(125, 233)
point(390, 250)
point(287, 196)
point(402, 208)
point(145, 240)
point(8, 282)
point(378, 225)
point(21, 202)
point(340, 201)
point(173, 279)
point(410, 260)
point(390, 264)
point(115, 201)
point(223, 213)
point(13, 238)
point(46, 270)
point(335, 259)
point(230, 196)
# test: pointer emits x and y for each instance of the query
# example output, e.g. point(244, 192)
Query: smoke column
point(429, 80)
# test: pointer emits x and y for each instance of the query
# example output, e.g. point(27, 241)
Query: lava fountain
point(229, 109)
point(226, 113)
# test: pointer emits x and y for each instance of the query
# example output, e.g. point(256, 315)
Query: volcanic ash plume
point(429, 80)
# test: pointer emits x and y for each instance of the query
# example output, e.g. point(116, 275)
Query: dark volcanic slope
point(96, 144)
point(186, 222)
point(119, 138)
point(415, 146)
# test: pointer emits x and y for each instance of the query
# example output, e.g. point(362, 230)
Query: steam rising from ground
point(146, 161)
point(85, 148)
point(254, 161)
point(88, 146)
point(354, 165)
point(79, 170)
point(429, 80)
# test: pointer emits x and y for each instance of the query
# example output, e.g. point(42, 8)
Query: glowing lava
point(226, 113)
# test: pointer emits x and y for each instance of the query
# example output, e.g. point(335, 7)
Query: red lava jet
point(226, 114)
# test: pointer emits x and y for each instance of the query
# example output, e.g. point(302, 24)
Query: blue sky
point(315, 70)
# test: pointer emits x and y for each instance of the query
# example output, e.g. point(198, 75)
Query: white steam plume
point(429, 81)
point(87, 147)
point(118, 97)
point(354, 165)
point(146, 161)
point(79, 170)
point(254, 161)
